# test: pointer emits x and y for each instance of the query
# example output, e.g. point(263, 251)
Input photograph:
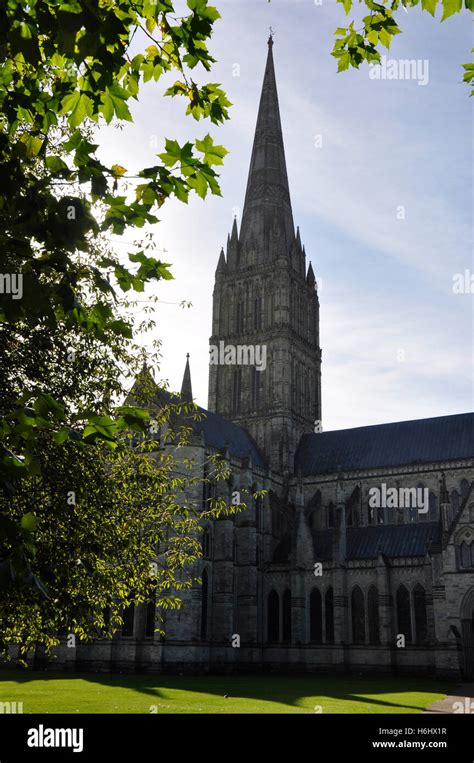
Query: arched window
point(358, 616)
point(256, 385)
point(464, 490)
point(273, 616)
point(433, 510)
point(128, 621)
point(236, 388)
point(150, 614)
point(352, 505)
point(206, 544)
point(314, 511)
point(419, 606)
point(239, 323)
point(454, 502)
point(257, 313)
point(465, 555)
point(404, 614)
point(373, 612)
point(329, 615)
point(204, 604)
point(315, 616)
point(286, 616)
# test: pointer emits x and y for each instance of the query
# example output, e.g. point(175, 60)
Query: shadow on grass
point(281, 689)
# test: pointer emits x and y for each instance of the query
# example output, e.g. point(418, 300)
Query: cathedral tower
point(265, 359)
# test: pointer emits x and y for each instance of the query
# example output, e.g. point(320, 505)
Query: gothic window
point(204, 604)
point(315, 616)
point(331, 515)
point(455, 502)
point(464, 490)
point(404, 614)
point(352, 513)
point(236, 389)
point(373, 612)
point(465, 555)
point(273, 616)
point(256, 378)
point(306, 391)
point(358, 616)
point(239, 324)
point(206, 544)
point(329, 615)
point(419, 606)
point(433, 508)
point(314, 510)
point(128, 617)
point(150, 614)
point(258, 313)
point(286, 612)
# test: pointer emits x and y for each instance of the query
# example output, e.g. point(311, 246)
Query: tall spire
point(186, 388)
point(267, 220)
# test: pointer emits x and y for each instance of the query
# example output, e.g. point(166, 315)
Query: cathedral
point(360, 554)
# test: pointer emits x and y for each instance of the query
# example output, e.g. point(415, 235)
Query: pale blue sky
point(386, 287)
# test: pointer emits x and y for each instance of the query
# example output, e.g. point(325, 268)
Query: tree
point(92, 528)
point(354, 46)
point(66, 333)
point(65, 65)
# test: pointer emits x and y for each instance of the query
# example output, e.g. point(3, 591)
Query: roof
point(220, 433)
point(390, 540)
point(444, 438)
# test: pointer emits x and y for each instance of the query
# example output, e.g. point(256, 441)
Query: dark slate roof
point(220, 433)
point(400, 443)
point(391, 540)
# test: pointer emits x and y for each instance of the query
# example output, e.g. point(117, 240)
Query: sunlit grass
point(93, 693)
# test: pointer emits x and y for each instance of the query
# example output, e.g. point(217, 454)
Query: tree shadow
point(288, 690)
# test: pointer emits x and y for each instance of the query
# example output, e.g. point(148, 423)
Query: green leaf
point(373, 37)
point(450, 7)
point(212, 154)
point(32, 143)
point(55, 164)
point(29, 522)
point(79, 106)
point(344, 62)
point(429, 5)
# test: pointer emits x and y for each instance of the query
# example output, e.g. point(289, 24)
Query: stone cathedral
point(360, 555)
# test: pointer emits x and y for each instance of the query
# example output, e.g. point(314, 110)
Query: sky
point(381, 188)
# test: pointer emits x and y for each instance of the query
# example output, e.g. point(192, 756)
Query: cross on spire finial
point(270, 39)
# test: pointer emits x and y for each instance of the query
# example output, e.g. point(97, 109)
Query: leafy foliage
point(65, 65)
point(67, 342)
point(354, 46)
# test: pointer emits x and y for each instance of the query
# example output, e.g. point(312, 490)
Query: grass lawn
point(93, 693)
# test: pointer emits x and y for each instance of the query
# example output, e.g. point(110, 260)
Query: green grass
point(93, 693)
